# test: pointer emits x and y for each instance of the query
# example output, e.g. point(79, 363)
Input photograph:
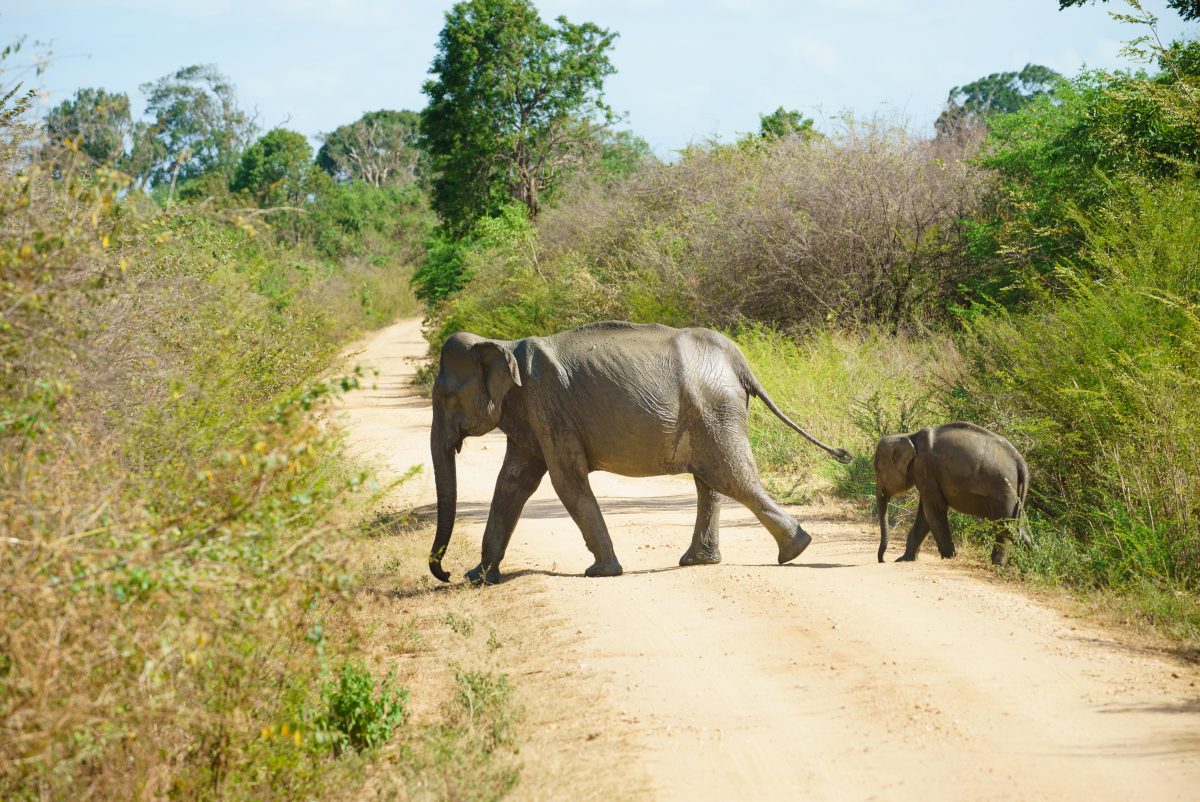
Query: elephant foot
point(610, 568)
point(792, 549)
point(906, 558)
point(700, 557)
point(477, 576)
point(999, 555)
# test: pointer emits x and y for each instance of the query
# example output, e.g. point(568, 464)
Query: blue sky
point(687, 69)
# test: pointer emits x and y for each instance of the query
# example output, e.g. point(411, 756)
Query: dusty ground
point(832, 678)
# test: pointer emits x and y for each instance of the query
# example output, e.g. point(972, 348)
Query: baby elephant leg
point(916, 536)
point(936, 512)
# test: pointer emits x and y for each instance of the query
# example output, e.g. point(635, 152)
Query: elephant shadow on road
point(550, 508)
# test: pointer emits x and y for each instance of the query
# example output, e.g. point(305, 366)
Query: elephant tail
point(754, 388)
point(1022, 490)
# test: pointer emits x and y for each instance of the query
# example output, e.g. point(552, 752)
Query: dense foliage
point(97, 120)
point(512, 104)
point(860, 227)
point(380, 148)
point(197, 127)
point(171, 499)
point(1099, 135)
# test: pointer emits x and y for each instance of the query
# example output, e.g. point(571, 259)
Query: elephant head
point(473, 378)
point(893, 475)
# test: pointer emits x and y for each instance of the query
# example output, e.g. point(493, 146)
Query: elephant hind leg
point(1006, 515)
point(705, 548)
point(745, 488)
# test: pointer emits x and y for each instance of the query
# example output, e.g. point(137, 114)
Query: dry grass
point(563, 741)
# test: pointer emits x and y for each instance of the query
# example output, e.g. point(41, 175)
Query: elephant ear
point(500, 372)
point(903, 453)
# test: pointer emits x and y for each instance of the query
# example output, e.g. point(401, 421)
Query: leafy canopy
point(380, 148)
point(1098, 137)
point(512, 104)
point(276, 170)
point(1003, 92)
point(1188, 9)
point(197, 127)
point(784, 124)
point(97, 119)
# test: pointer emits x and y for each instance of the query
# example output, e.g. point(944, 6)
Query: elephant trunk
point(881, 502)
point(446, 482)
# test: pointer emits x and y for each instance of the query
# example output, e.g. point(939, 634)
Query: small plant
point(356, 714)
point(463, 626)
point(485, 702)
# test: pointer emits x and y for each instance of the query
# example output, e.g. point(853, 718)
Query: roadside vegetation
point(175, 513)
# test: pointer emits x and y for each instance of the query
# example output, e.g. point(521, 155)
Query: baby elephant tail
point(1022, 490)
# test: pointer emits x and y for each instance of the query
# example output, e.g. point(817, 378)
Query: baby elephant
point(957, 466)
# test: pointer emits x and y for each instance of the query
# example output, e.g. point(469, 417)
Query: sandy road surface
point(833, 678)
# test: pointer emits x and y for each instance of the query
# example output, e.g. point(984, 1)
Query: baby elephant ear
point(499, 369)
point(903, 453)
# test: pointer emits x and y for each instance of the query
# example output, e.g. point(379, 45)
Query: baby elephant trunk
point(881, 503)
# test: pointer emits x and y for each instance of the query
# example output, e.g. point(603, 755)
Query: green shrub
point(1080, 149)
point(357, 715)
point(863, 227)
point(357, 219)
point(1100, 392)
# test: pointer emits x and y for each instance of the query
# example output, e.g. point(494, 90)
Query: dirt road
point(832, 678)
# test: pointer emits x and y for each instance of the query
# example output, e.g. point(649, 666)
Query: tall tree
point(514, 102)
point(380, 148)
point(998, 93)
point(197, 127)
point(785, 123)
point(1188, 9)
point(277, 170)
point(277, 173)
point(95, 118)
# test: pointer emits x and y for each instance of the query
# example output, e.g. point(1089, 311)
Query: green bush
point(790, 232)
point(1076, 150)
point(170, 489)
point(357, 219)
point(1099, 390)
point(357, 715)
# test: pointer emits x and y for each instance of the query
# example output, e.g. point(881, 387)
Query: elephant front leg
point(575, 492)
point(519, 476)
point(705, 548)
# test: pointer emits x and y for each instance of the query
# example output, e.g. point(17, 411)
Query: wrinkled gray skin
point(957, 466)
point(637, 400)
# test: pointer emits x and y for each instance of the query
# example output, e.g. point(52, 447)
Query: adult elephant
point(637, 400)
